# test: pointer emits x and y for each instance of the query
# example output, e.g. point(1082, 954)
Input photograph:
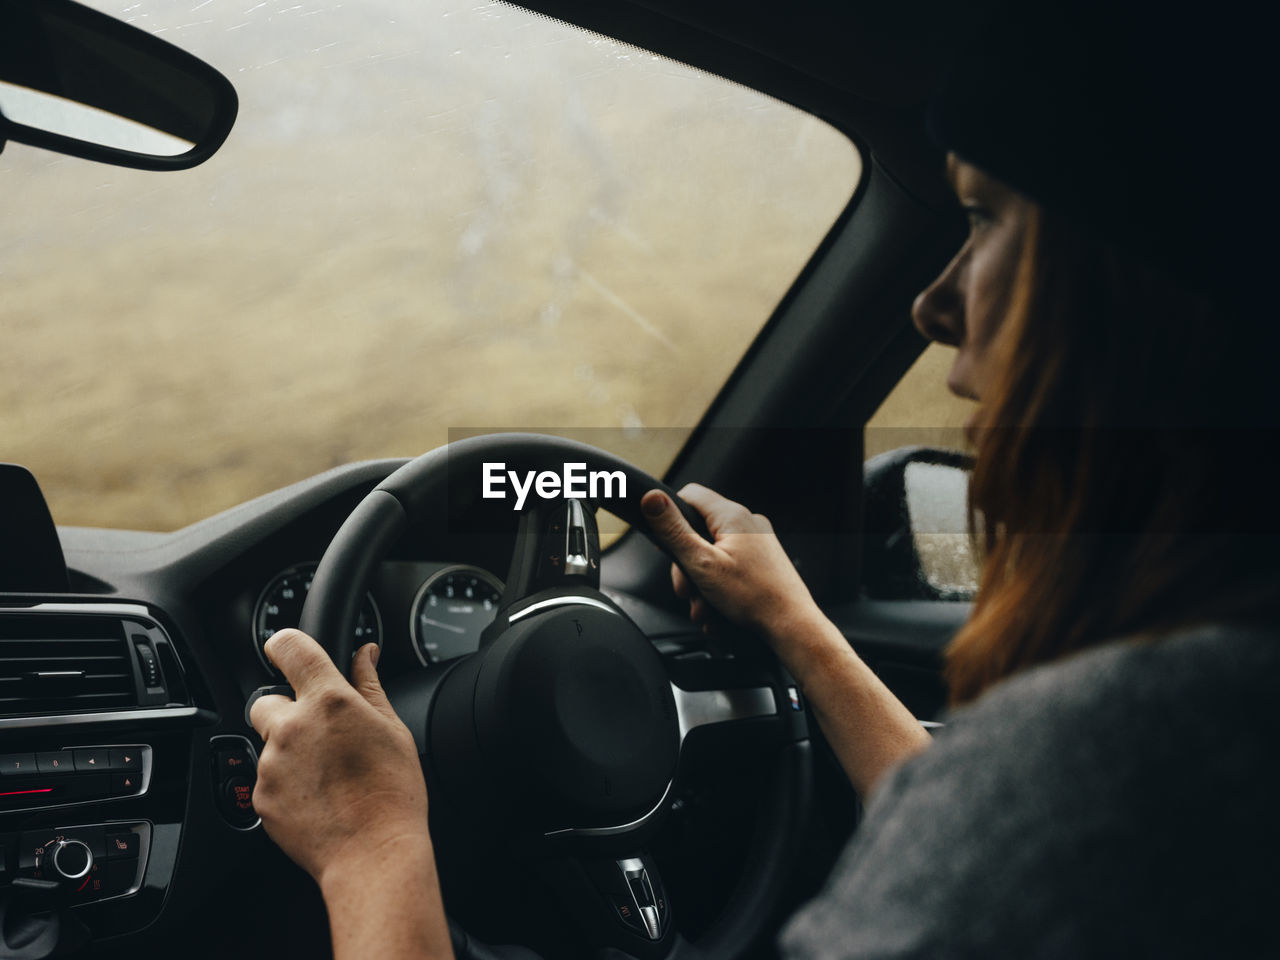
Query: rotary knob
point(66, 860)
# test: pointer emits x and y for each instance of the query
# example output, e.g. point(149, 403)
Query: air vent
point(64, 664)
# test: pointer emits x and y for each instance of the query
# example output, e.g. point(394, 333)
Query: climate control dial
point(66, 860)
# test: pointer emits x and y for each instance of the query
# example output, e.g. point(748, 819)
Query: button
point(55, 761)
point(659, 895)
point(92, 759)
point(234, 762)
point(239, 794)
point(125, 783)
point(652, 925)
point(627, 914)
point(125, 758)
point(235, 799)
point(17, 764)
point(122, 846)
point(235, 770)
point(72, 860)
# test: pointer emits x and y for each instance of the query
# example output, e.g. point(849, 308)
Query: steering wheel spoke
point(743, 694)
point(557, 546)
point(703, 708)
point(617, 902)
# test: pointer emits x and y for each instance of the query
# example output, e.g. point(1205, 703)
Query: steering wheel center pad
point(566, 720)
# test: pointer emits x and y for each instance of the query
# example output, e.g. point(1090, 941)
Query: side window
point(918, 544)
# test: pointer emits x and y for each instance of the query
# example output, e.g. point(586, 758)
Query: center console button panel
point(50, 778)
point(91, 862)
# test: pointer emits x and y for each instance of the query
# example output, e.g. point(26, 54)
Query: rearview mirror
point(80, 82)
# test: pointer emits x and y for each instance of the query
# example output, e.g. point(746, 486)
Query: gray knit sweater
point(1123, 802)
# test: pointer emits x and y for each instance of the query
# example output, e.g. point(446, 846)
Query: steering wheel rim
point(406, 496)
point(450, 475)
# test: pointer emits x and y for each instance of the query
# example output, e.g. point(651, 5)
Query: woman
point(1104, 786)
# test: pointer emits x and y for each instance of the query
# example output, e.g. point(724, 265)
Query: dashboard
point(126, 766)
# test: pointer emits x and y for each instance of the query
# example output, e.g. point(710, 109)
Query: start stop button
point(235, 771)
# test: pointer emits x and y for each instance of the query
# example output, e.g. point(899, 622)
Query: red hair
point(1121, 487)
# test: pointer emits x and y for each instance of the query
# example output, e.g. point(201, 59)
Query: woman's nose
point(938, 311)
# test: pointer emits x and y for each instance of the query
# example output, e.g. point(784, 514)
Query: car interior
point(603, 774)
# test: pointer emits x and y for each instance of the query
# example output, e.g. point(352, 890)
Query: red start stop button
point(235, 771)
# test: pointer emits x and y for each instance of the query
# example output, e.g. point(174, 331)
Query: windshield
point(428, 218)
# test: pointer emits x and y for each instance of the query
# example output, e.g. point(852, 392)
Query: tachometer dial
point(451, 609)
point(280, 606)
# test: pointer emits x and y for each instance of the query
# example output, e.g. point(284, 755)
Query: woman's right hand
point(744, 573)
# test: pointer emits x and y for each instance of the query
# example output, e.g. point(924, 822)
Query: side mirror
point(916, 525)
point(80, 82)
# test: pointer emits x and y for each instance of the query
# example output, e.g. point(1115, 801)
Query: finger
point(303, 662)
point(699, 610)
point(722, 514)
point(681, 584)
point(364, 677)
point(671, 528)
point(266, 713)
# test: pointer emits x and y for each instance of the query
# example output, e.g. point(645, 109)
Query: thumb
point(364, 677)
point(670, 527)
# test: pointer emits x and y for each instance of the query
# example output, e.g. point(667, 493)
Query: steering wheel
point(561, 738)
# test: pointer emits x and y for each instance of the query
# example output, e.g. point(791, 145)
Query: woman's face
point(965, 306)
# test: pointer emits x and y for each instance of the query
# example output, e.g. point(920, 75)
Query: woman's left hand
point(339, 777)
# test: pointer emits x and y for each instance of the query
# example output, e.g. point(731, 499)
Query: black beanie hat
point(1145, 122)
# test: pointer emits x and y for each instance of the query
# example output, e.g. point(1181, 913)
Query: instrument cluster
point(449, 608)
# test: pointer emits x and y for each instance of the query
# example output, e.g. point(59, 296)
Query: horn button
point(567, 720)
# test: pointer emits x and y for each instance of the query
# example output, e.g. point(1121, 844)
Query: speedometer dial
point(280, 606)
point(451, 609)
